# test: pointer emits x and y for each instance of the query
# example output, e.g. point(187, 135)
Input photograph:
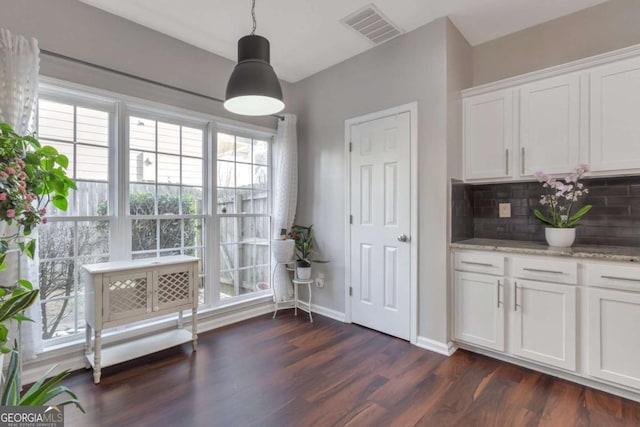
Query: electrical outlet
point(319, 282)
point(504, 210)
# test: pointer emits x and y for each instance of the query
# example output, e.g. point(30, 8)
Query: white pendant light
point(253, 88)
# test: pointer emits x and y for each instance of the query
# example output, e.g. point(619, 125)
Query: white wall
point(602, 28)
point(75, 29)
point(412, 67)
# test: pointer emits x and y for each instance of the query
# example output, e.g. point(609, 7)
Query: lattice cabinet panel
point(126, 295)
point(173, 288)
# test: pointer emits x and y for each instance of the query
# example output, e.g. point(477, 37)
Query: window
point(166, 189)
point(145, 190)
point(243, 201)
point(81, 234)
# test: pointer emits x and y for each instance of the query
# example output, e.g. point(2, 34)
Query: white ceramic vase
point(282, 250)
point(560, 237)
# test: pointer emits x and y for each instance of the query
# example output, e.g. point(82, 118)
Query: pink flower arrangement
point(560, 198)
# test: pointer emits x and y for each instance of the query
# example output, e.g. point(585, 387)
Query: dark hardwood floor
point(289, 372)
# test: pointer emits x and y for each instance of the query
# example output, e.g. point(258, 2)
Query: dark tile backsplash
point(614, 219)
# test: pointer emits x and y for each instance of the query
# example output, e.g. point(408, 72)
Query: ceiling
point(307, 36)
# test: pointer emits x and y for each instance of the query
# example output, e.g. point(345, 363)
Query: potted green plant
point(31, 177)
point(304, 242)
point(559, 200)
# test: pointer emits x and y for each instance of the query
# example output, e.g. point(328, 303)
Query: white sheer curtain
point(19, 69)
point(285, 193)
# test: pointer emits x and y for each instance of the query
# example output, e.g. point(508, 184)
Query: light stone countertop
point(606, 253)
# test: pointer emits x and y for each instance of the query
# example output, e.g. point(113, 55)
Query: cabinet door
point(544, 326)
point(488, 135)
point(550, 125)
point(614, 346)
point(479, 309)
point(173, 287)
point(126, 295)
point(614, 124)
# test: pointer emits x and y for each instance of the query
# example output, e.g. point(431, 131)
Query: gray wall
point(412, 67)
point(598, 29)
point(77, 30)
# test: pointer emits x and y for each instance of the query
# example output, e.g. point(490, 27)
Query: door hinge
point(350, 146)
point(350, 291)
point(350, 219)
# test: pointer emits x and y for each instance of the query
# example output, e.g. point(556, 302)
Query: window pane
point(92, 126)
point(168, 169)
point(260, 178)
point(144, 234)
point(263, 275)
point(192, 142)
point(192, 200)
point(193, 233)
point(262, 228)
point(248, 281)
point(228, 229)
point(55, 120)
point(91, 198)
point(226, 147)
point(93, 237)
point(142, 166)
point(229, 254)
point(56, 278)
point(247, 255)
point(191, 171)
point(170, 234)
point(142, 199)
point(243, 149)
point(168, 199)
point(225, 203)
point(244, 176)
point(260, 202)
point(168, 138)
point(142, 134)
point(243, 201)
point(226, 174)
point(56, 240)
point(260, 152)
point(58, 318)
point(93, 163)
point(262, 254)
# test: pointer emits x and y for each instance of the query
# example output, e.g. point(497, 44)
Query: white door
point(380, 193)
point(614, 347)
point(479, 309)
point(488, 135)
point(615, 128)
point(544, 327)
point(550, 125)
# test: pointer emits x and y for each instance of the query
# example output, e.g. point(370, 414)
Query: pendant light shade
point(253, 88)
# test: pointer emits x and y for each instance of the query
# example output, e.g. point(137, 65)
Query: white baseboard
point(323, 311)
point(436, 346)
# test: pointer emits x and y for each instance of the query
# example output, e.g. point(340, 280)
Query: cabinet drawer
point(546, 269)
point(625, 277)
point(480, 262)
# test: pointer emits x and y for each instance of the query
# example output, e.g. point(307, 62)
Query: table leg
point(295, 299)
point(96, 357)
point(194, 329)
point(310, 316)
point(87, 345)
point(180, 319)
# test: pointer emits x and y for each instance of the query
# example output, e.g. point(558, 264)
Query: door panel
point(380, 208)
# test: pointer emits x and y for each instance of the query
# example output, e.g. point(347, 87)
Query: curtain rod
point(133, 76)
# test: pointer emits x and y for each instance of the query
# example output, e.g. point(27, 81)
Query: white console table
point(123, 292)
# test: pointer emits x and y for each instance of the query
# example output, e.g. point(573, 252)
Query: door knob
point(403, 238)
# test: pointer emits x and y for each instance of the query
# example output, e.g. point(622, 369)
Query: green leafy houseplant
point(304, 242)
point(31, 177)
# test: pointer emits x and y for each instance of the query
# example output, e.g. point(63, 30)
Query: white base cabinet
point(544, 323)
point(479, 309)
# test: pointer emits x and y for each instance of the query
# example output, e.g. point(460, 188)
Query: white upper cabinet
point(615, 116)
point(550, 126)
point(488, 135)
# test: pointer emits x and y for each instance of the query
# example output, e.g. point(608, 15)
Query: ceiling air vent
point(372, 24)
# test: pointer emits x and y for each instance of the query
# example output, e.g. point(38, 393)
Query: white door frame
point(412, 109)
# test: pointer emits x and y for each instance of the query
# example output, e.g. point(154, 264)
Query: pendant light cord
point(253, 16)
